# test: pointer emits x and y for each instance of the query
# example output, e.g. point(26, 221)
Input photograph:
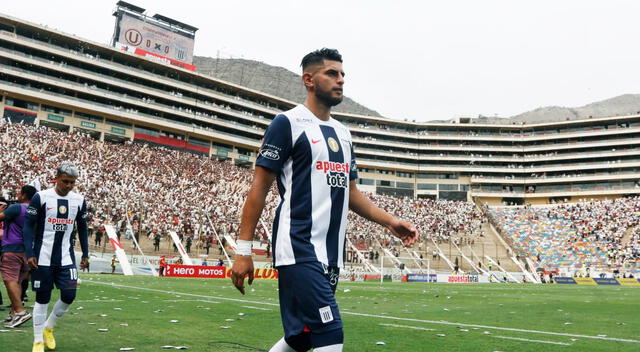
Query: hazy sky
point(422, 60)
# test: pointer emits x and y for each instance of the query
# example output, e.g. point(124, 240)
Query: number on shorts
point(74, 274)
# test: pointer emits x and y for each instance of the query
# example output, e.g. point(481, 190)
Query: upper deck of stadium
point(65, 82)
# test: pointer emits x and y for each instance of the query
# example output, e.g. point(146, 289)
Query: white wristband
point(243, 247)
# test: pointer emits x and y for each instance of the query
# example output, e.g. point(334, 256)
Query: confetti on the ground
point(91, 323)
point(117, 308)
point(346, 290)
point(241, 314)
point(103, 315)
point(103, 330)
point(80, 308)
point(229, 320)
point(225, 327)
point(173, 321)
point(441, 335)
point(487, 332)
point(568, 323)
point(124, 324)
point(127, 348)
point(380, 343)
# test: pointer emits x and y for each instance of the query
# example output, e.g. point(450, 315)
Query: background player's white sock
point(331, 348)
point(281, 346)
point(58, 310)
point(39, 317)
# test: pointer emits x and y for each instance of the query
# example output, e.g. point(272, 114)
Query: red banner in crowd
point(214, 272)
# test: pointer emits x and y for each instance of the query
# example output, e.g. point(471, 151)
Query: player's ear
point(307, 80)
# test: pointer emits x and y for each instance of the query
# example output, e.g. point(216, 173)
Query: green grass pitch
point(212, 316)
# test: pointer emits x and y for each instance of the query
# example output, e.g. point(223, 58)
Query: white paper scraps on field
point(241, 314)
point(487, 332)
point(380, 343)
point(158, 311)
point(180, 347)
point(446, 309)
point(574, 340)
point(441, 335)
point(103, 330)
point(464, 330)
point(173, 321)
point(225, 327)
point(124, 324)
point(103, 315)
point(117, 308)
point(346, 290)
point(167, 347)
point(80, 308)
point(91, 323)
point(127, 348)
point(568, 323)
point(229, 320)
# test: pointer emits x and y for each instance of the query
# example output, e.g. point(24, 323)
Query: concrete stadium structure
point(59, 80)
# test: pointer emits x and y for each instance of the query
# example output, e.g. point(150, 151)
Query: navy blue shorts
point(65, 278)
point(307, 301)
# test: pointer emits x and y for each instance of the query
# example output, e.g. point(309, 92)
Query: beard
point(327, 99)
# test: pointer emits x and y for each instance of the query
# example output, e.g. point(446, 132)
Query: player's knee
point(300, 342)
point(43, 297)
point(328, 338)
point(67, 296)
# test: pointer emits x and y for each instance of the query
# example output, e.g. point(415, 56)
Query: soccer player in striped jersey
point(49, 224)
point(311, 157)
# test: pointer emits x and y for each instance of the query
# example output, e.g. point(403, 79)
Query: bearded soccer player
point(311, 156)
point(51, 216)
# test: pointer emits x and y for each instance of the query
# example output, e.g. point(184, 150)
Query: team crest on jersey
point(333, 145)
point(62, 209)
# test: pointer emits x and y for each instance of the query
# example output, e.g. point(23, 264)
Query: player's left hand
point(404, 231)
point(84, 262)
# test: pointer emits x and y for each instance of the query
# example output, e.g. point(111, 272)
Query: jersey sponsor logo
point(32, 211)
point(336, 173)
point(60, 221)
point(270, 151)
point(326, 166)
point(335, 179)
point(62, 209)
point(333, 145)
point(270, 154)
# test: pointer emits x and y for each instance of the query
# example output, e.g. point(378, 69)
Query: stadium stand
point(184, 143)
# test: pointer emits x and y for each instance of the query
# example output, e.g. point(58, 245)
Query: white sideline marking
point(529, 340)
point(258, 308)
point(406, 327)
point(441, 322)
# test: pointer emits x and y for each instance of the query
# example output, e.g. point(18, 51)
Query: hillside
point(272, 80)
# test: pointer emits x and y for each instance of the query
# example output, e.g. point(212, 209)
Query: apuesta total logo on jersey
point(337, 173)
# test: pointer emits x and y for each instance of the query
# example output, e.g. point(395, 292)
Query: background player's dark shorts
point(65, 278)
point(307, 298)
point(13, 266)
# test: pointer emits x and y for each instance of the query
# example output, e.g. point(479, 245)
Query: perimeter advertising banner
point(154, 38)
point(215, 272)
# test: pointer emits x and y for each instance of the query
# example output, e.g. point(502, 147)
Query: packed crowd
point(600, 235)
point(159, 190)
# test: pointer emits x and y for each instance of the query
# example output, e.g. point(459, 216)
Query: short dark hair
point(318, 56)
point(28, 191)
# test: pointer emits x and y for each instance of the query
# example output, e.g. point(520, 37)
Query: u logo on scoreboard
point(133, 37)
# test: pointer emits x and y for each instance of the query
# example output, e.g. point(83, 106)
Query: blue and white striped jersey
point(314, 162)
point(51, 219)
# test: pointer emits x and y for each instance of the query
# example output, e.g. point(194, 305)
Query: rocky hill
point(269, 79)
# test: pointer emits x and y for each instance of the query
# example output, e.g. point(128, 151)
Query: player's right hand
point(242, 265)
point(33, 262)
